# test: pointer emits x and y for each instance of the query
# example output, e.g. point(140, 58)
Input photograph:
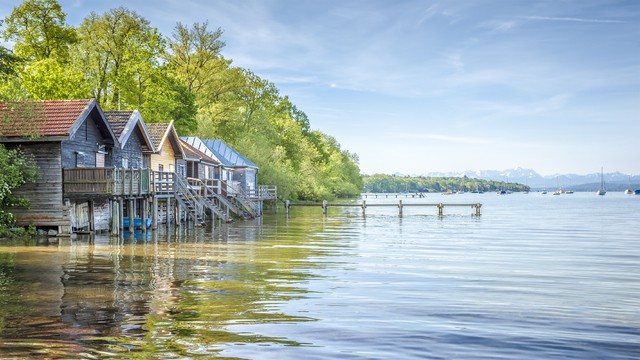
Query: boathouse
point(131, 161)
point(72, 144)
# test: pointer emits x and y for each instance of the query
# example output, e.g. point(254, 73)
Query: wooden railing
point(105, 182)
point(87, 181)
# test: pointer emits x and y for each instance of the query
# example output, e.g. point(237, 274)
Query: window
point(125, 163)
point(160, 167)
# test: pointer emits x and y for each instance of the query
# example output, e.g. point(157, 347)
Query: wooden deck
point(105, 182)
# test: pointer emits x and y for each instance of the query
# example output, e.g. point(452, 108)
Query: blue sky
point(415, 86)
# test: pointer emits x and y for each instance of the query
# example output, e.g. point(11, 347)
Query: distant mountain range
point(613, 181)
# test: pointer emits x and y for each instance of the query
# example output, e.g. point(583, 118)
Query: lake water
point(534, 277)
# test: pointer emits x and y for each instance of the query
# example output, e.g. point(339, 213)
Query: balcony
point(105, 182)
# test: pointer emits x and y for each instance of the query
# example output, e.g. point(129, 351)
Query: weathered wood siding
point(101, 214)
point(247, 177)
point(132, 151)
point(47, 207)
point(80, 151)
point(166, 158)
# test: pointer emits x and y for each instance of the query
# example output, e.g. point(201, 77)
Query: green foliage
point(380, 183)
point(121, 60)
point(16, 169)
point(39, 30)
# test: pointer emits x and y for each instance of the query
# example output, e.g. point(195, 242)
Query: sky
point(419, 86)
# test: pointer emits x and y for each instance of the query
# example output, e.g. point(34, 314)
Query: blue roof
point(223, 152)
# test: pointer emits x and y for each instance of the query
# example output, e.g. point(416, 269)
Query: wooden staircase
point(189, 199)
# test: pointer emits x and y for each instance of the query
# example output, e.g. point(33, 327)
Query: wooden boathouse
point(100, 170)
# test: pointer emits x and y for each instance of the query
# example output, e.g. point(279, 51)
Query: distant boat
point(543, 192)
point(602, 190)
point(637, 192)
point(629, 191)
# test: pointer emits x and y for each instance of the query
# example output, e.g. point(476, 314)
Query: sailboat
point(629, 191)
point(601, 191)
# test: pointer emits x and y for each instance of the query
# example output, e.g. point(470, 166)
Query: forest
point(380, 183)
point(120, 59)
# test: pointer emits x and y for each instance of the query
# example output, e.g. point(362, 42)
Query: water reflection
point(168, 293)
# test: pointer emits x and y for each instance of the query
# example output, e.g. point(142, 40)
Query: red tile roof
point(40, 118)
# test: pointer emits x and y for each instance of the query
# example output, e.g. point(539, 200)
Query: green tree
point(16, 169)
point(39, 30)
point(118, 52)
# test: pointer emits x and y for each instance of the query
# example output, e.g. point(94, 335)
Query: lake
point(534, 277)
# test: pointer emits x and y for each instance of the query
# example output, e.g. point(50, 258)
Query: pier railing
point(105, 181)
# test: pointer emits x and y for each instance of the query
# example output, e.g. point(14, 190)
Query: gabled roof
point(193, 154)
point(196, 143)
point(59, 119)
point(124, 123)
point(160, 133)
point(228, 155)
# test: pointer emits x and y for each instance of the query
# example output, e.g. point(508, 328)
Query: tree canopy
point(124, 62)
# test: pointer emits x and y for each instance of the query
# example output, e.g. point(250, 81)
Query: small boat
point(602, 190)
point(543, 192)
point(637, 192)
point(629, 191)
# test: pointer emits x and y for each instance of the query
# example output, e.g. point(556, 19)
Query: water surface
point(534, 277)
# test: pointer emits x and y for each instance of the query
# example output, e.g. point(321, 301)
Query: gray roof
point(218, 149)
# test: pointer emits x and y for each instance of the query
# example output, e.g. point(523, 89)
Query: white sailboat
point(601, 191)
point(629, 191)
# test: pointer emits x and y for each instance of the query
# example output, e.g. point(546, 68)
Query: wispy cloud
point(573, 19)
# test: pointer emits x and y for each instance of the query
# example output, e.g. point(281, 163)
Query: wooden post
point(120, 215)
point(132, 215)
point(364, 205)
point(478, 209)
point(440, 207)
point(145, 210)
point(324, 207)
point(154, 220)
point(287, 205)
point(400, 207)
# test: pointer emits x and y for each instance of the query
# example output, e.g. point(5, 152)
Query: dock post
point(478, 209)
point(400, 207)
point(287, 205)
point(132, 215)
point(324, 207)
point(154, 220)
point(440, 207)
point(364, 206)
point(145, 211)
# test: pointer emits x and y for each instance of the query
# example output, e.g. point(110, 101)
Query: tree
point(119, 52)
point(194, 55)
point(39, 30)
point(16, 169)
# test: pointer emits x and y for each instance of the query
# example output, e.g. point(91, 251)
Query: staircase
point(189, 199)
point(212, 200)
point(242, 202)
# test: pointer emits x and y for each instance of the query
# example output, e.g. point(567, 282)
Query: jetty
point(400, 205)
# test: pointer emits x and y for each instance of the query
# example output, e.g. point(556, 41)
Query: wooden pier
point(400, 205)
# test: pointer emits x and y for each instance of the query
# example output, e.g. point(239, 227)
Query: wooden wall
point(47, 207)
point(247, 177)
point(132, 151)
point(166, 158)
point(80, 151)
